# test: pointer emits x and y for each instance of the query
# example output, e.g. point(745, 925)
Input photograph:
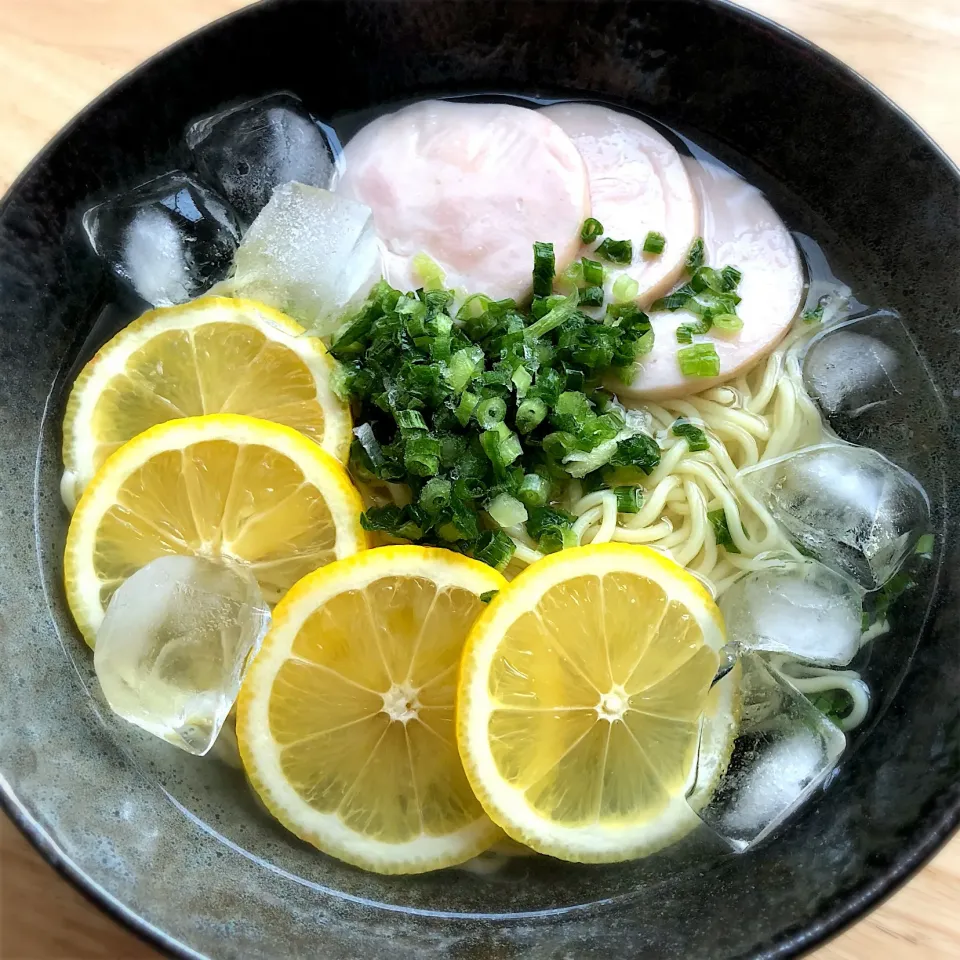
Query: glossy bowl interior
point(176, 845)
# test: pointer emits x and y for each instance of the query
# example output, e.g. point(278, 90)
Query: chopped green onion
point(593, 273)
point(496, 549)
point(591, 229)
point(436, 397)
point(625, 288)
point(487, 595)
point(435, 495)
point(579, 463)
point(629, 499)
point(591, 297)
point(534, 490)
point(511, 448)
point(730, 278)
point(543, 518)
point(616, 251)
point(490, 412)
point(574, 273)
point(559, 443)
point(640, 451)
point(700, 360)
point(727, 322)
point(463, 366)
point(544, 269)
point(696, 256)
point(694, 435)
point(558, 538)
point(429, 272)
point(421, 456)
point(721, 531)
point(521, 381)
point(813, 316)
point(501, 446)
point(468, 403)
point(530, 414)
point(685, 333)
point(551, 528)
point(507, 511)
point(402, 522)
point(654, 243)
point(555, 317)
point(410, 420)
point(452, 448)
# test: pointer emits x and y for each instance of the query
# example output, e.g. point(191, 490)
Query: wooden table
point(56, 55)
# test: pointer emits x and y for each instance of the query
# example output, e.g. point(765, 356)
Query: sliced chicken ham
point(739, 228)
point(472, 186)
point(638, 183)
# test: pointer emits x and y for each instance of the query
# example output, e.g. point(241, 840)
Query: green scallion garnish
point(592, 272)
point(591, 229)
point(544, 269)
point(490, 412)
point(694, 435)
point(699, 360)
point(726, 322)
point(591, 297)
point(429, 272)
point(615, 251)
point(654, 243)
point(534, 491)
point(495, 548)
point(625, 288)
point(629, 499)
point(484, 416)
point(721, 531)
point(696, 256)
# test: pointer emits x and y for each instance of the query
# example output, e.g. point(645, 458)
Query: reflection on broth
point(563, 355)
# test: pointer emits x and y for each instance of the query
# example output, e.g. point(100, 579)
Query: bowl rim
point(836, 916)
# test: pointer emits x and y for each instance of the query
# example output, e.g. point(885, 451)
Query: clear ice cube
point(173, 646)
point(310, 253)
point(170, 238)
point(847, 506)
point(784, 750)
point(249, 150)
point(802, 608)
point(856, 366)
point(873, 389)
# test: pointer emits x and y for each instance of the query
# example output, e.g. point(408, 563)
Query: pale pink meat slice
point(638, 183)
point(472, 186)
point(739, 228)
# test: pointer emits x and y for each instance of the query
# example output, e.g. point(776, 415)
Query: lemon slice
point(580, 702)
point(221, 485)
point(345, 718)
point(214, 355)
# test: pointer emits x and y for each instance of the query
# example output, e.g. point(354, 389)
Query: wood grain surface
point(56, 55)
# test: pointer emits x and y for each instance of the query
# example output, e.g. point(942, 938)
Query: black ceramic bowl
point(175, 846)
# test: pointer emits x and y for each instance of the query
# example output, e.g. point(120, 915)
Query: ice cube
point(170, 238)
point(784, 749)
point(853, 367)
point(847, 506)
point(174, 643)
point(249, 150)
point(799, 608)
point(310, 253)
point(873, 389)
